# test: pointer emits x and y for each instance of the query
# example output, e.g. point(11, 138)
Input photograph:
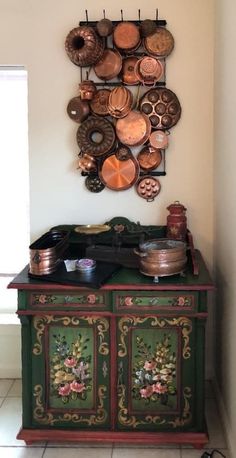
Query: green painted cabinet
point(124, 363)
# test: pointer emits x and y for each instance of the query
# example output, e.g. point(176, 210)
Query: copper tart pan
point(96, 136)
point(109, 66)
point(148, 188)
point(160, 43)
point(99, 103)
point(83, 46)
point(134, 129)
point(119, 174)
point(126, 36)
point(162, 107)
point(128, 75)
point(162, 257)
point(149, 158)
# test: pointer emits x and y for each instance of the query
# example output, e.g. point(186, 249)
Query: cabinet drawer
point(84, 300)
point(151, 301)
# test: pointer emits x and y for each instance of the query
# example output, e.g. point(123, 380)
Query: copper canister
point(47, 252)
point(176, 221)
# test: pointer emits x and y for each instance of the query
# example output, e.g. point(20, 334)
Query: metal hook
point(81, 74)
point(121, 14)
point(104, 14)
point(139, 15)
point(86, 14)
point(156, 14)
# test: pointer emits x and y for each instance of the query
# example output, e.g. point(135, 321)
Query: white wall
point(225, 209)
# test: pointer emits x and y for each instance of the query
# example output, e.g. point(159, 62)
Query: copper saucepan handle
point(140, 253)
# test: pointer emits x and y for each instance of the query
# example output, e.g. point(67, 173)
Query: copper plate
point(160, 43)
point(99, 103)
point(78, 109)
point(126, 36)
point(149, 158)
point(109, 65)
point(162, 107)
point(148, 188)
point(119, 175)
point(134, 129)
point(96, 136)
point(127, 73)
point(92, 229)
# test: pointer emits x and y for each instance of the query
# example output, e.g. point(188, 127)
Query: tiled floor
point(10, 447)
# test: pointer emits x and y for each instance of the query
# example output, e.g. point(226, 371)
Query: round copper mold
point(94, 184)
point(99, 103)
point(104, 27)
point(120, 102)
point(148, 70)
point(83, 46)
point(160, 43)
point(78, 109)
point(149, 158)
point(96, 136)
point(148, 188)
point(128, 75)
point(126, 36)
point(119, 175)
point(134, 129)
point(159, 139)
point(162, 107)
point(109, 66)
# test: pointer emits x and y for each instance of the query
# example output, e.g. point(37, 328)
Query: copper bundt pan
point(134, 129)
point(162, 107)
point(96, 136)
point(117, 174)
point(160, 43)
point(83, 46)
point(109, 66)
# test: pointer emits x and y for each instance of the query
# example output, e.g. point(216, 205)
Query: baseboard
point(229, 436)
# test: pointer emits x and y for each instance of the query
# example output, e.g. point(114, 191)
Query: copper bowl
point(109, 66)
point(126, 36)
point(134, 129)
point(117, 174)
point(128, 75)
point(160, 43)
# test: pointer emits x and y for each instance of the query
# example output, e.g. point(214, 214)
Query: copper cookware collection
point(121, 138)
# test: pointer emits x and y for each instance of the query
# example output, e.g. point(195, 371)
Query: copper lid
point(99, 103)
point(134, 129)
point(109, 65)
point(160, 43)
point(149, 158)
point(128, 74)
point(78, 109)
point(126, 36)
point(119, 174)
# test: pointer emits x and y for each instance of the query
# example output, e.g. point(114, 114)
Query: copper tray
point(92, 229)
point(99, 103)
point(96, 136)
point(134, 129)
point(119, 175)
point(162, 107)
point(160, 43)
point(109, 65)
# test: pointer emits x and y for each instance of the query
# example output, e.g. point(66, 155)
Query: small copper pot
point(104, 27)
point(87, 163)
point(87, 89)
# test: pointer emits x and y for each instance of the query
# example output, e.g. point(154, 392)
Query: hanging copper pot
point(149, 158)
point(160, 43)
point(99, 103)
point(149, 70)
point(87, 163)
point(148, 188)
point(147, 27)
point(78, 109)
point(87, 89)
point(104, 27)
point(83, 46)
point(126, 36)
point(96, 136)
point(120, 102)
point(109, 66)
point(117, 174)
point(134, 129)
point(128, 75)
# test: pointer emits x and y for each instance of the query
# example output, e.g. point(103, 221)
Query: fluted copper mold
point(162, 107)
point(83, 46)
point(120, 102)
point(96, 136)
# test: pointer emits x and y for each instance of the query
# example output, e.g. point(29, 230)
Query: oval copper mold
point(83, 46)
point(96, 136)
point(162, 107)
point(109, 65)
point(134, 129)
point(120, 102)
point(160, 43)
point(119, 175)
point(126, 36)
point(149, 158)
point(99, 103)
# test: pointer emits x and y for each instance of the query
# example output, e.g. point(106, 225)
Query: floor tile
point(215, 430)
point(79, 444)
point(16, 389)
point(198, 453)
point(10, 421)
point(5, 385)
point(148, 453)
point(77, 452)
point(21, 452)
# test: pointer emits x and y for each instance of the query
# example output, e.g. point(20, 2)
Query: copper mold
point(109, 66)
point(149, 158)
point(47, 252)
point(94, 184)
point(87, 163)
point(126, 36)
point(99, 103)
point(119, 175)
point(160, 43)
point(134, 129)
point(149, 70)
point(120, 102)
point(96, 136)
point(128, 75)
point(83, 46)
point(162, 107)
point(78, 109)
point(148, 188)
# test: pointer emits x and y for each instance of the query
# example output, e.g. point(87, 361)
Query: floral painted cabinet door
point(156, 367)
point(68, 389)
